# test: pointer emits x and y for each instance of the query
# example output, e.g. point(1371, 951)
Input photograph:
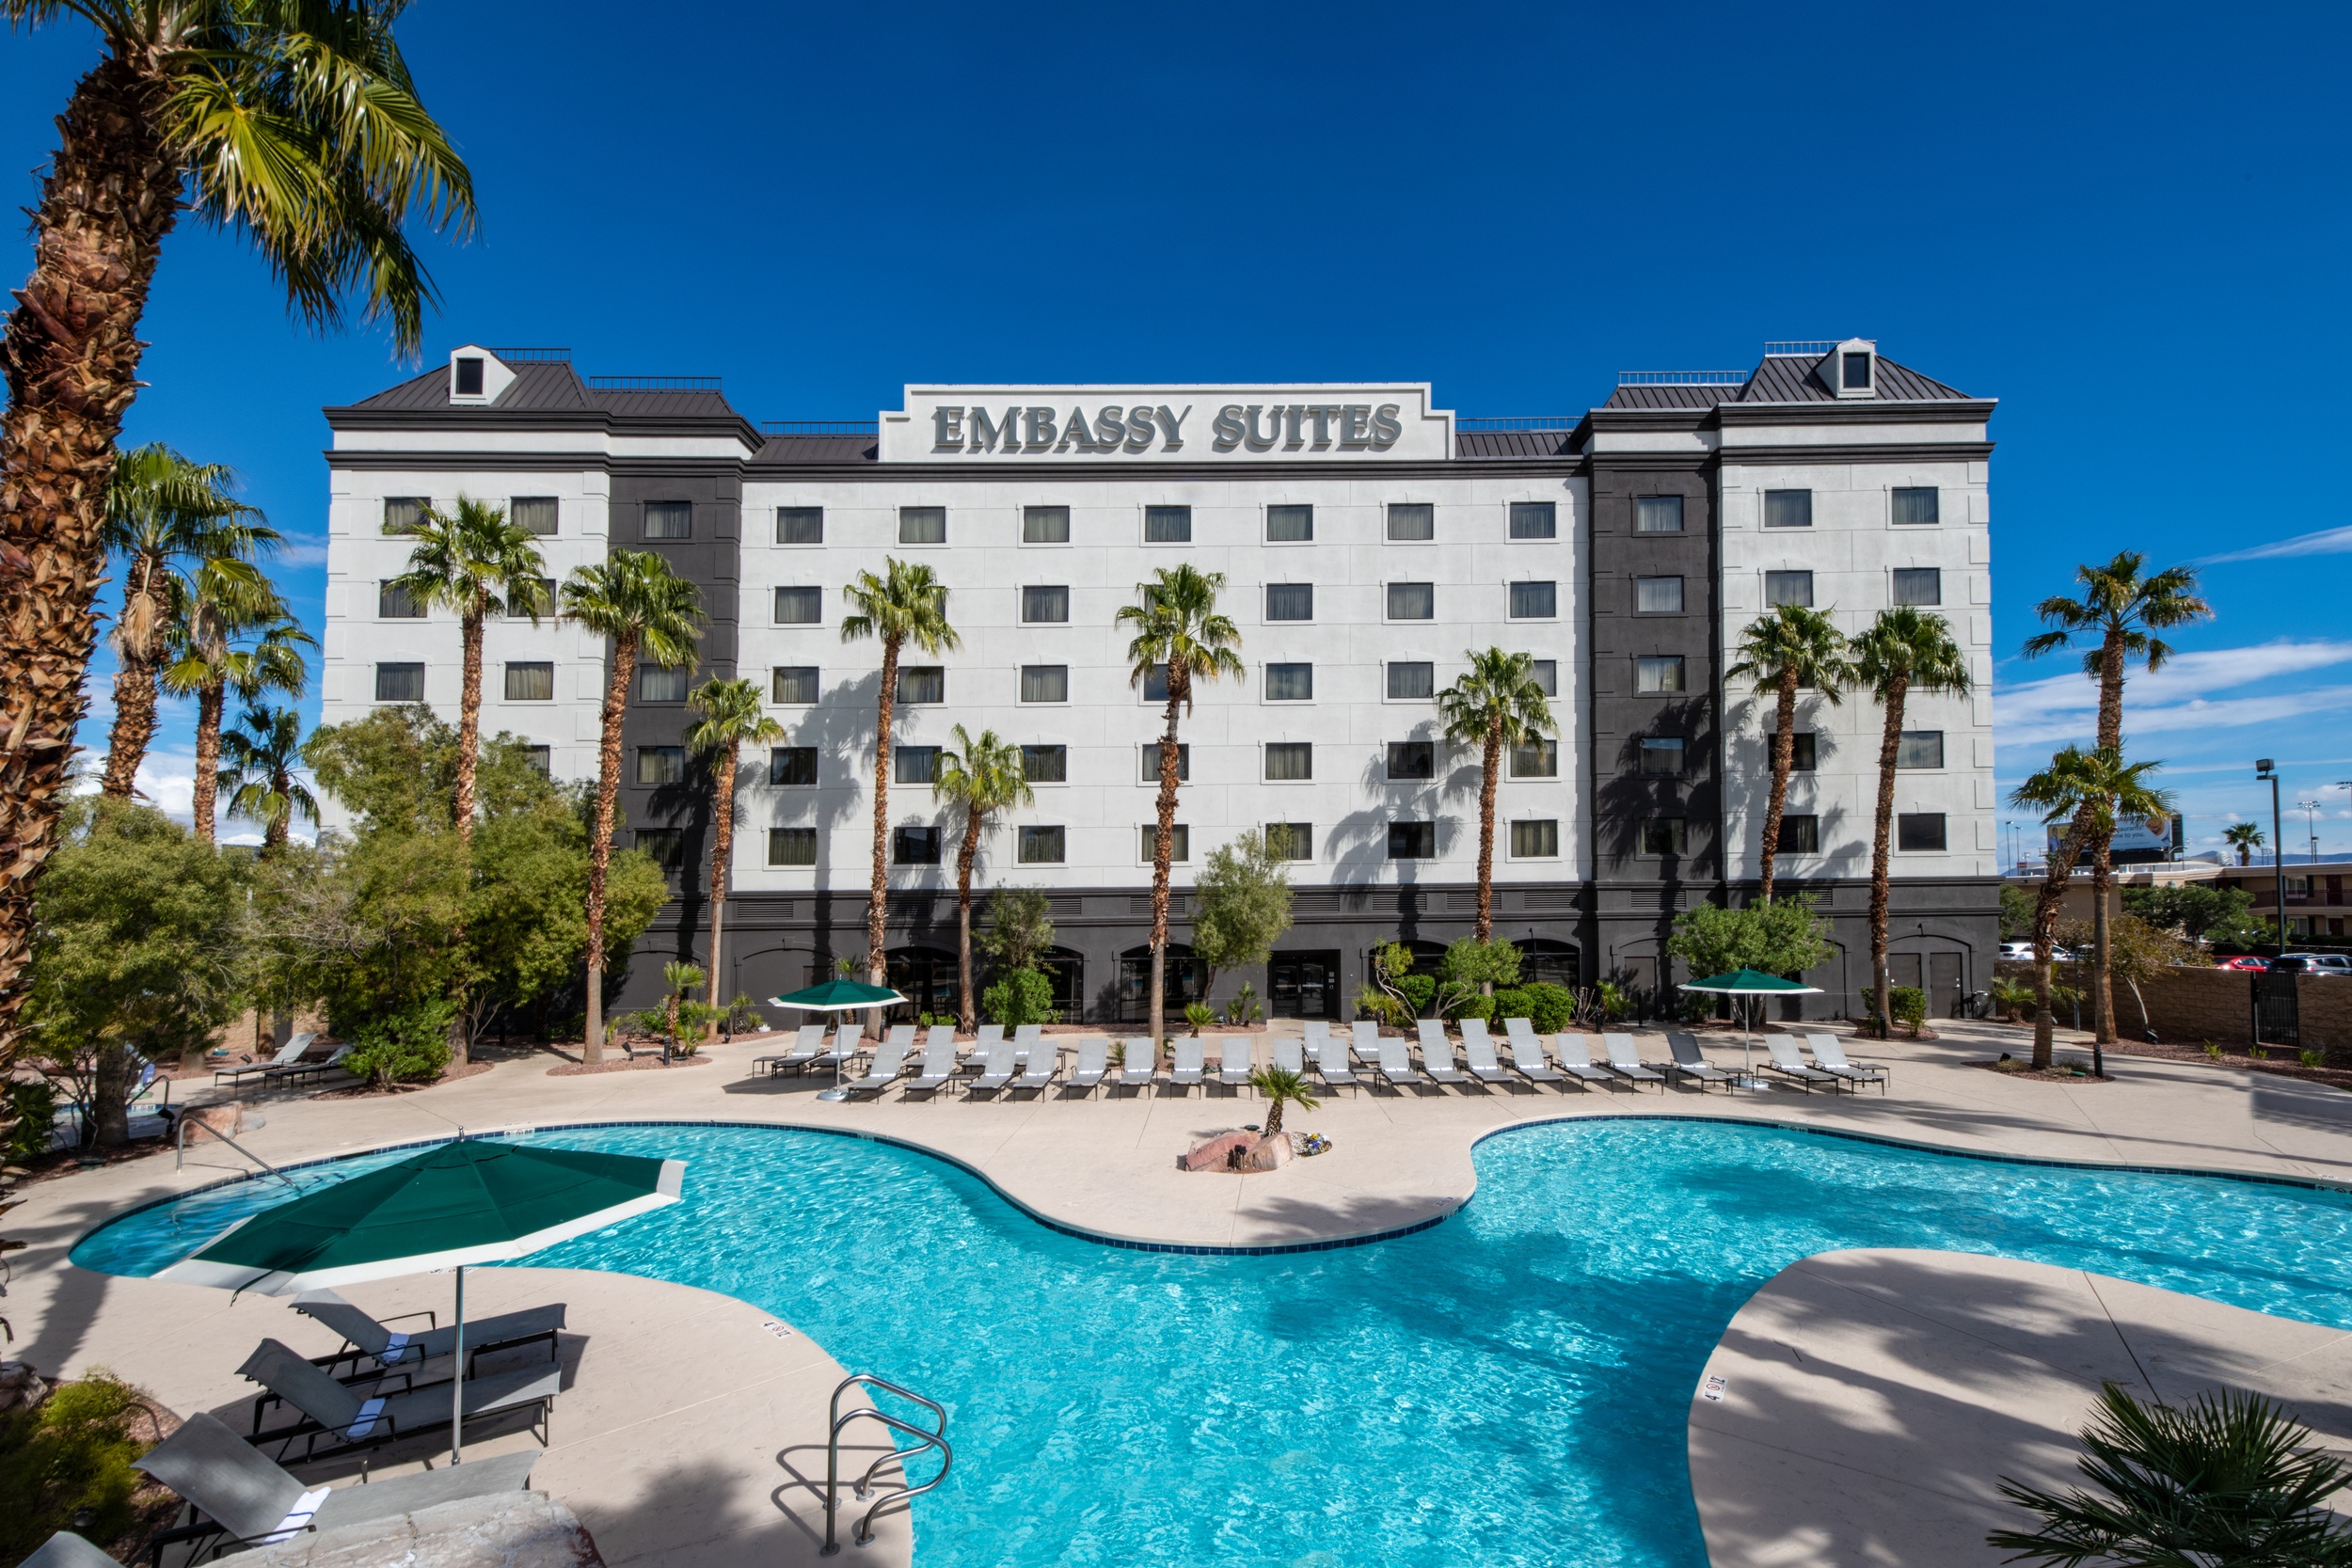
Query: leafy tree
point(1020, 927)
point(232, 641)
point(2196, 911)
point(733, 716)
point(258, 757)
point(1018, 996)
point(65, 1464)
point(1240, 903)
point(2017, 913)
point(985, 776)
point(1906, 651)
point(2243, 837)
point(1785, 937)
point(1468, 974)
point(2137, 952)
point(1278, 1086)
point(1496, 702)
point(1181, 635)
point(1385, 995)
point(645, 610)
point(1791, 648)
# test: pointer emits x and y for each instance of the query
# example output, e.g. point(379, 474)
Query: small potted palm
point(1277, 1086)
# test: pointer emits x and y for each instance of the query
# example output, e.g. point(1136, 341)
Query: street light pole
point(2310, 825)
point(2266, 768)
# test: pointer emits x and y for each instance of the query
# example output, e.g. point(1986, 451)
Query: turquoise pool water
point(1509, 1387)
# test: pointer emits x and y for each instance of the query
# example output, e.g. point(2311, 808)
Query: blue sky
point(2128, 226)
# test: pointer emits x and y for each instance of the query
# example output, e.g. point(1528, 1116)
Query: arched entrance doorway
point(1186, 979)
point(925, 976)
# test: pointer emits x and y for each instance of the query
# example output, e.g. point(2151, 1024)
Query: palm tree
point(295, 127)
point(476, 562)
point(1276, 1085)
point(1905, 651)
point(1496, 702)
point(650, 612)
point(1177, 627)
point(2119, 611)
point(734, 717)
point(1792, 648)
point(258, 754)
point(230, 642)
point(906, 604)
point(2085, 790)
point(986, 776)
point(2245, 838)
point(168, 519)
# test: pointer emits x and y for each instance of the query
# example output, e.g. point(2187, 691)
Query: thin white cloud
point(2327, 541)
point(302, 550)
point(2178, 696)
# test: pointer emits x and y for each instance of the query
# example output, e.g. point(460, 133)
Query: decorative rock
point(1242, 1152)
point(21, 1386)
point(515, 1529)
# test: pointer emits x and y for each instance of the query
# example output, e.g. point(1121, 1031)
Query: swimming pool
point(1509, 1387)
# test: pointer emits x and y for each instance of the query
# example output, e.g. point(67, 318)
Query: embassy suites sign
point(1158, 425)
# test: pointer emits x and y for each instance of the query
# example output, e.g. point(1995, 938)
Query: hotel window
point(1535, 759)
point(922, 525)
point(1661, 757)
point(540, 757)
point(1290, 759)
point(1413, 680)
point(1534, 521)
point(1656, 596)
point(667, 846)
point(400, 683)
point(395, 603)
point(1794, 588)
point(915, 846)
point(669, 519)
point(1288, 525)
point(1663, 835)
point(1045, 683)
point(1799, 750)
point(1548, 676)
point(800, 524)
point(1289, 601)
point(660, 765)
point(1658, 514)
point(914, 765)
point(1046, 525)
point(534, 514)
point(1412, 761)
point(662, 683)
point(1920, 749)
point(800, 607)
point(1800, 835)
point(1178, 843)
point(1041, 846)
point(1412, 601)
point(1535, 841)
point(1045, 604)
point(922, 683)
point(792, 766)
point(1167, 525)
point(1156, 684)
point(403, 514)
point(1045, 764)
point(796, 684)
point(530, 683)
point(1151, 762)
point(1658, 673)
point(1918, 504)
point(1534, 601)
point(1290, 683)
point(1854, 372)
point(1919, 585)
point(469, 377)
point(1787, 509)
point(1290, 841)
point(791, 846)
point(1412, 841)
point(538, 598)
point(1412, 520)
point(1920, 829)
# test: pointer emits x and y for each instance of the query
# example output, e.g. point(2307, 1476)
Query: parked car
point(2023, 951)
point(2245, 962)
point(2314, 963)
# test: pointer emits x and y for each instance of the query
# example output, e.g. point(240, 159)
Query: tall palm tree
point(1792, 648)
point(906, 604)
point(1905, 651)
point(2245, 838)
point(230, 642)
point(1494, 704)
point(2085, 790)
point(733, 716)
point(295, 127)
point(167, 519)
point(259, 753)
point(648, 611)
point(1177, 627)
point(2119, 614)
point(986, 776)
point(474, 561)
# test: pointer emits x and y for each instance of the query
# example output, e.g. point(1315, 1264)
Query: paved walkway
point(1872, 1401)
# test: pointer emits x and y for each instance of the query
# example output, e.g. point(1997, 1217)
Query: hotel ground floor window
point(791, 846)
point(1290, 841)
point(1186, 979)
point(667, 846)
point(1412, 841)
point(1535, 840)
point(1303, 985)
point(1665, 835)
point(1066, 972)
point(915, 846)
point(1542, 960)
point(1800, 835)
point(925, 976)
point(1178, 843)
point(1920, 829)
point(400, 683)
point(1041, 846)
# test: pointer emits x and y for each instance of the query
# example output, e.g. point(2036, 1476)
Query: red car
point(2244, 962)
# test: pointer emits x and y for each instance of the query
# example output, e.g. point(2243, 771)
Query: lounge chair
point(890, 1059)
point(1287, 1053)
point(1478, 1054)
point(1436, 1053)
point(1527, 1054)
point(1185, 1067)
point(241, 1494)
point(847, 1040)
point(300, 1070)
point(1575, 1058)
point(1366, 1040)
point(66, 1549)
point(999, 1070)
point(1025, 1040)
point(1790, 1064)
point(1394, 1062)
point(365, 1338)
point(809, 1043)
point(1829, 1054)
point(1626, 1062)
point(982, 1043)
point(287, 1056)
point(1233, 1056)
point(1037, 1063)
point(334, 1414)
point(1315, 1038)
point(1331, 1063)
point(1691, 1062)
point(939, 1061)
point(1138, 1065)
point(1094, 1054)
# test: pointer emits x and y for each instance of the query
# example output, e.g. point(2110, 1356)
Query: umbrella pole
point(457, 1379)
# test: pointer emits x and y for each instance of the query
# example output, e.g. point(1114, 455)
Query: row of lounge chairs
point(286, 1067)
point(1029, 1062)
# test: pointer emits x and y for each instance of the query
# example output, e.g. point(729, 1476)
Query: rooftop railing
point(654, 383)
point(534, 355)
point(1682, 378)
point(820, 427)
point(1806, 348)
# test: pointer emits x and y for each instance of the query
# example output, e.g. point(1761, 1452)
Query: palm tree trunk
point(877, 910)
point(209, 701)
point(2054, 876)
point(468, 720)
point(2111, 658)
point(1784, 760)
point(601, 841)
point(1488, 786)
point(274, 832)
point(1273, 1120)
point(967, 1013)
point(133, 726)
point(1164, 851)
point(1881, 841)
point(72, 359)
point(721, 861)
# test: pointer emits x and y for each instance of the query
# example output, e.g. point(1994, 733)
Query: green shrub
point(1200, 1015)
point(1419, 989)
point(408, 1046)
point(1910, 1005)
point(74, 1452)
point(1023, 996)
point(1379, 1006)
point(1470, 1004)
point(1511, 1001)
point(32, 1112)
point(1549, 1007)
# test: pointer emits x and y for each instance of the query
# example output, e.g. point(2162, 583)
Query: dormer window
point(1852, 371)
point(477, 377)
point(469, 378)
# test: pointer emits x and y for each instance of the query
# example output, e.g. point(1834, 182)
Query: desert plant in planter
point(1200, 1015)
point(1278, 1086)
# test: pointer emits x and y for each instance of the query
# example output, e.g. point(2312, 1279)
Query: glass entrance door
point(1303, 985)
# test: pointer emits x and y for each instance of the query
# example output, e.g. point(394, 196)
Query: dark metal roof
point(1788, 379)
point(820, 449)
point(1671, 397)
point(1512, 443)
point(556, 387)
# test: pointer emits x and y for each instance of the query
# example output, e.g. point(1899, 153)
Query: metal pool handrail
point(832, 1455)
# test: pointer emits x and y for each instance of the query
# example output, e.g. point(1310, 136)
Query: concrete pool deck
point(1104, 1165)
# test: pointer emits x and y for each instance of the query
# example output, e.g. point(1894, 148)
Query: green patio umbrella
point(1745, 983)
point(843, 995)
point(472, 1202)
